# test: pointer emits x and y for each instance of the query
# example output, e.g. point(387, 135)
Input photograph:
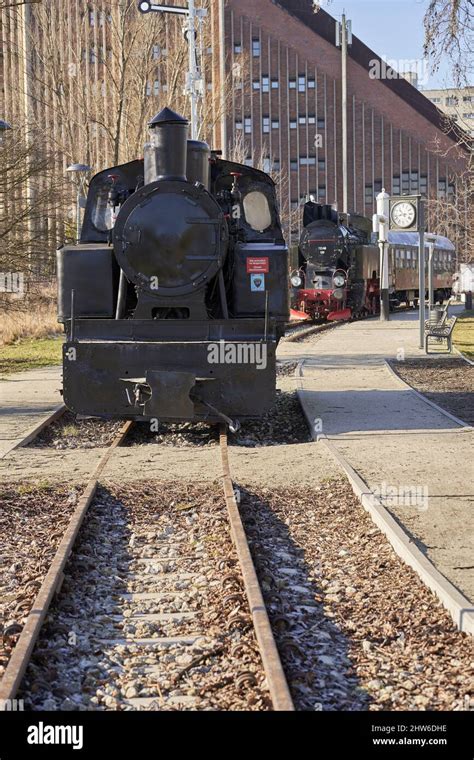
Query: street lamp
point(79, 171)
point(430, 240)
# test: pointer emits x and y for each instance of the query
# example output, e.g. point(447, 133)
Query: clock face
point(403, 214)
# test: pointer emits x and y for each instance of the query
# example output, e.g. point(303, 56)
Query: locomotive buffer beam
point(153, 393)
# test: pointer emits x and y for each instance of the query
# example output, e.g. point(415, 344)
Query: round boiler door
point(169, 240)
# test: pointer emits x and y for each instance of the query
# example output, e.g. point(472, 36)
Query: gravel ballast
point(447, 382)
point(356, 627)
point(172, 542)
point(33, 519)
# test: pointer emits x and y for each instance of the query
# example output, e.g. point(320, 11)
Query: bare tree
point(449, 35)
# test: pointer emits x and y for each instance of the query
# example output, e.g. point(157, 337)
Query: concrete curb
point(458, 606)
point(428, 401)
point(35, 430)
point(460, 353)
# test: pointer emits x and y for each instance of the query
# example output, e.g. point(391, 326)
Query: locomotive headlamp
point(338, 294)
point(296, 280)
point(339, 280)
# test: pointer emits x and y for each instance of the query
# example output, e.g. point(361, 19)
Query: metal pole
point(384, 294)
point(421, 272)
point(78, 215)
point(430, 276)
point(344, 113)
point(193, 74)
point(222, 78)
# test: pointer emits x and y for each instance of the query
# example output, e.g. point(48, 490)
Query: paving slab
point(26, 399)
point(418, 460)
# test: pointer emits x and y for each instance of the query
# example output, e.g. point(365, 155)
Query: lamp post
point(430, 242)
point(380, 225)
point(79, 171)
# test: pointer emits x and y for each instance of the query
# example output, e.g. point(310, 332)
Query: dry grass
point(463, 336)
point(32, 316)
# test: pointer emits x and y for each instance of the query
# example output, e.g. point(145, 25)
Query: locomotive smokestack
point(165, 155)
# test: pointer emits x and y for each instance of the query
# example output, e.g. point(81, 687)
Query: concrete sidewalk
point(26, 398)
point(392, 437)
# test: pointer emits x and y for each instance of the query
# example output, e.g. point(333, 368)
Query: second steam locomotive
point(337, 276)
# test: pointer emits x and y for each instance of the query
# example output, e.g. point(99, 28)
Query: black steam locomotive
point(176, 295)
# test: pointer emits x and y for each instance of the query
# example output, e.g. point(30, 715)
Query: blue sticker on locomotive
point(257, 283)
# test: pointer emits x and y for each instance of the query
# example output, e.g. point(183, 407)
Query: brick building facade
point(286, 101)
point(276, 80)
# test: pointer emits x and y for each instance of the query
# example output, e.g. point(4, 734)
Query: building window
point(156, 87)
point(311, 84)
point(301, 83)
point(322, 165)
point(451, 101)
point(266, 123)
point(312, 119)
point(467, 99)
point(248, 161)
point(435, 100)
point(424, 185)
point(156, 52)
point(267, 164)
point(276, 165)
point(293, 124)
point(238, 125)
point(414, 182)
point(442, 188)
point(265, 84)
point(256, 48)
point(256, 84)
point(307, 161)
point(301, 119)
point(293, 164)
point(396, 185)
point(292, 84)
point(405, 183)
point(237, 47)
point(469, 115)
point(91, 17)
point(369, 195)
point(275, 84)
point(275, 124)
point(321, 191)
point(248, 125)
point(321, 123)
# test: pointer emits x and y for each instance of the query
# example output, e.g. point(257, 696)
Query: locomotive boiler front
point(170, 237)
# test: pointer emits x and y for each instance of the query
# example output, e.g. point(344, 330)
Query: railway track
point(169, 599)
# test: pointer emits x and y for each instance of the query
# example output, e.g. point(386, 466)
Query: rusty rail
point(277, 684)
point(21, 654)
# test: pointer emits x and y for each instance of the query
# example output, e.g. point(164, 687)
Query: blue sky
point(393, 29)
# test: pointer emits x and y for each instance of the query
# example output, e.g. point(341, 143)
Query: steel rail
point(17, 665)
point(35, 430)
point(277, 683)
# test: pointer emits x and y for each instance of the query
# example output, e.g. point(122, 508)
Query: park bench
point(440, 330)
